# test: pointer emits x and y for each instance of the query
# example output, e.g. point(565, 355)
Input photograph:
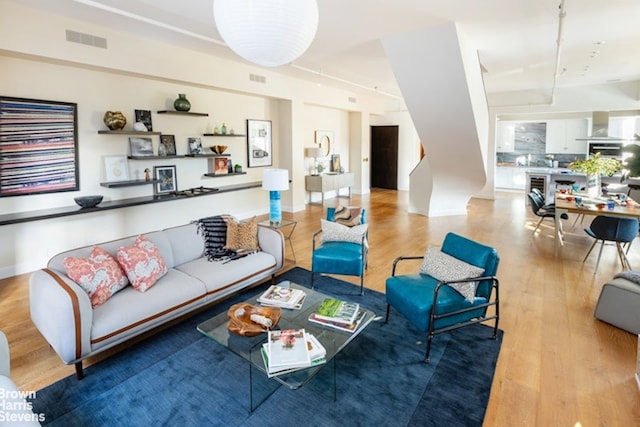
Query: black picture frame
point(39, 146)
point(195, 146)
point(168, 179)
point(167, 146)
point(144, 116)
point(259, 143)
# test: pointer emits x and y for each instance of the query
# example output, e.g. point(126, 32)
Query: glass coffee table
point(260, 386)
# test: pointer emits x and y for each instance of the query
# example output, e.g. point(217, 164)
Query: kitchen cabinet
point(505, 137)
point(511, 178)
point(563, 135)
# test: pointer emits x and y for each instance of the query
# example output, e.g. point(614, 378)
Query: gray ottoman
point(619, 304)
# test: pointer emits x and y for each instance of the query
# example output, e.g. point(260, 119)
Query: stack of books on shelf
point(337, 314)
point(281, 295)
point(290, 350)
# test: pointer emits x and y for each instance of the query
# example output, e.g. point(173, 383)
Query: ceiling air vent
point(88, 39)
point(353, 99)
point(257, 78)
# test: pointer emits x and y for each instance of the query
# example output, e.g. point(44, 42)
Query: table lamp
point(275, 180)
point(313, 153)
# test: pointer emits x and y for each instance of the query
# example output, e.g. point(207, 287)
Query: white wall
point(37, 62)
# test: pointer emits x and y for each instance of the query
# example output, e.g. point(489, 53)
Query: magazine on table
point(317, 355)
point(287, 348)
point(351, 328)
point(338, 311)
point(282, 296)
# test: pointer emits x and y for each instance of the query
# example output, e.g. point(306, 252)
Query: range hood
point(600, 129)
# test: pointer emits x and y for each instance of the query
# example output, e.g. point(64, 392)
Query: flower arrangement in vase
point(594, 167)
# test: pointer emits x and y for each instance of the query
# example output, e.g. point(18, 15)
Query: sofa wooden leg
point(79, 371)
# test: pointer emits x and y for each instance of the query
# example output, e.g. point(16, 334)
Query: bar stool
point(632, 187)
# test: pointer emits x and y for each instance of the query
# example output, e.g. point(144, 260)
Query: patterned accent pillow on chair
point(99, 275)
point(334, 232)
point(444, 267)
point(347, 216)
point(143, 263)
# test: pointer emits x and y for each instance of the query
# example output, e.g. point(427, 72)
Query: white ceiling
point(515, 39)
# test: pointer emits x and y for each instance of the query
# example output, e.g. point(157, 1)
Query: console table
point(328, 182)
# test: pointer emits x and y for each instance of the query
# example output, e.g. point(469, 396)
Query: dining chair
point(540, 210)
point(619, 230)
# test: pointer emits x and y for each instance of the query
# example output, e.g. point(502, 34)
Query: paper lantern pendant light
point(267, 32)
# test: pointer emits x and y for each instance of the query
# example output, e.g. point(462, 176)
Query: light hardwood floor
point(558, 365)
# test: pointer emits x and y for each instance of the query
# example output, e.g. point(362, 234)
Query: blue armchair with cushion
point(341, 249)
point(432, 299)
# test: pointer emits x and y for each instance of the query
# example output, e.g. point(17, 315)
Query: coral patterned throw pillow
point(143, 263)
point(99, 275)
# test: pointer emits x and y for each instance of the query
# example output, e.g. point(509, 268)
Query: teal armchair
point(340, 256)
point(433, 306)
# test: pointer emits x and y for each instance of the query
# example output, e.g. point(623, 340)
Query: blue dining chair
point(339, 256)
point(619, 230)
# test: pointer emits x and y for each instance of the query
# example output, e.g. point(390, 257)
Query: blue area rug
point(178, 377)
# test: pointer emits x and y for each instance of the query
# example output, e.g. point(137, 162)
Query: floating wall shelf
point(116, 184)
point(126, 132)
point(183, 113)
point(224, 135)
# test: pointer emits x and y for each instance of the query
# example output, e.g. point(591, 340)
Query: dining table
point(581, 203)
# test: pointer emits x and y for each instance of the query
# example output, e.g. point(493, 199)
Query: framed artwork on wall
point(116, 168)
point(38, 147)
point(259, 147)
point(167, 177)
point(195, 146)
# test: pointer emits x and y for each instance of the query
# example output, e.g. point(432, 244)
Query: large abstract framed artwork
point(38, 147)
point(259, 143)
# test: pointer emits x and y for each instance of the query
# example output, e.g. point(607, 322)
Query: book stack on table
point(337, 314)
point(281, 295)
point(290, 350)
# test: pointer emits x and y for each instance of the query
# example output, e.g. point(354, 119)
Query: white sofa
point(62, 311)
point(14, 409)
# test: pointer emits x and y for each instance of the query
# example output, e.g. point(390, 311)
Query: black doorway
point(384, 157)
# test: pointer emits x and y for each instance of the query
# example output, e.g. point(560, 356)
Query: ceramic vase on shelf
point(182, 103)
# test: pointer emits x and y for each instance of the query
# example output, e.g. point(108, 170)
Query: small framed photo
point(195, 146)
point(141, 147)
point(167, 145)
point(116, 168)
point(335, 163)
point(167, 177)
point(221, 165)
point(144, 116)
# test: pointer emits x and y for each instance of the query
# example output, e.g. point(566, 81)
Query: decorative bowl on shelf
point(218, 149)
point(249, 320)
point(88, 201)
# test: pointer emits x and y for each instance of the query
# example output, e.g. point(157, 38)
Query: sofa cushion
point(129, 311)
point(142, 262)
point(99, 275)
point(242, 236)
point(186, 243)
point(446, 268)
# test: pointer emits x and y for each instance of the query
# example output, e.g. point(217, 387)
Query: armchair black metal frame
point(541, 210)
point(434, 316)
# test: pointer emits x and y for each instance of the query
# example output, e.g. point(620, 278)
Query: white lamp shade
point(312, 152)
point(267, 32)
point(275, 179)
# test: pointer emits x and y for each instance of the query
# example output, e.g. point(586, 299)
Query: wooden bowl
point(240, 322)
point(218, 149)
